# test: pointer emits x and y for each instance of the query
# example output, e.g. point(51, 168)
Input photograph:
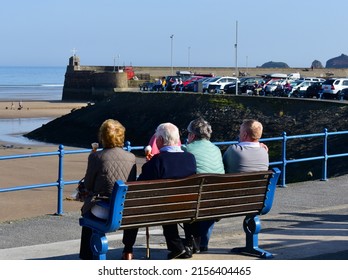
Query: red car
point(191, 79)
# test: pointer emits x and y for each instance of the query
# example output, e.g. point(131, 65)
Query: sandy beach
point(37, 109)
point(37, 170)
point(18, 172)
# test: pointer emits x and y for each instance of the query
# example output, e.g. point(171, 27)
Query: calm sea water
point(28, 83)
point(31, 83)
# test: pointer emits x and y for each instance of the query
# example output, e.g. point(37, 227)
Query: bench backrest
point(195, 198)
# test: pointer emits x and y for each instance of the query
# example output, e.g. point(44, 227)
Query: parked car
point(206, 82)
point(147, 86)
point(272, 85)
point(343, 95)
point(191, 79)
point(331, 88)
point(300, 87)
point(193, 85)
point(245, 85)
point(217, 85)
point(313, 90)
point(312, 79)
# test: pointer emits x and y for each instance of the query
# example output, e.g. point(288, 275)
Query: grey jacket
point(104, 168)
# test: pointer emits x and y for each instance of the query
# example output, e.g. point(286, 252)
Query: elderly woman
point(209, 160)
point(104, 168)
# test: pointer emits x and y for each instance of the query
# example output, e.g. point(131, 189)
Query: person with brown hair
point(104, 168)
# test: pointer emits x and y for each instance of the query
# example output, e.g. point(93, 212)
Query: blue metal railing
point(282, 163)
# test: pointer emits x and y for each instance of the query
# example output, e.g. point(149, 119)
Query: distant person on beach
point(20, 105)
point(171, 163)
point(209, 160)
point(104, 168)
point(249, 154)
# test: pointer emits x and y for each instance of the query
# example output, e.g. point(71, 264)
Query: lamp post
point(171, 52)
point(188, 58)
point(236, 58)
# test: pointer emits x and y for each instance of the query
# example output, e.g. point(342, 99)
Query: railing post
point(128, 146)
point(324, 169)
point(283, 183)
point(60, 180)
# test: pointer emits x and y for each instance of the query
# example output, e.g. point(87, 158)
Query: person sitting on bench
point(171, 163)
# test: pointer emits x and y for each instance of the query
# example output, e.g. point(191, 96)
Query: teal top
point(208, 156)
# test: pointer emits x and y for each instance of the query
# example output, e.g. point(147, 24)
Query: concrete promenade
point(309, 220)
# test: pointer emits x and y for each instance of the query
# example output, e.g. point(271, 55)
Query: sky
point(138, 32)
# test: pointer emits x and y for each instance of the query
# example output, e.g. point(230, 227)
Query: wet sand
point(18, 172)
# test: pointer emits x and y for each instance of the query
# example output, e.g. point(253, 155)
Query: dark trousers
point(85, 245)
point(192, 235)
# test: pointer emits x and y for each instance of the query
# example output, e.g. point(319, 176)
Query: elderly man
point(249, 154)
point(170, 163)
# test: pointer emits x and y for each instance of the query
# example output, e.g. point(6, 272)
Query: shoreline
point(38, 108)
point(34, 109)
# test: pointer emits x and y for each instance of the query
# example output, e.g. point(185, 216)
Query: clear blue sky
point(44, 33)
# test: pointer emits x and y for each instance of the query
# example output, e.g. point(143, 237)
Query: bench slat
point(160, 200)
point(235, 185)
point(252, 207)
point(160, 208)
point(233, 193)
point(161, 191)
point(230, 201)
point(188, 214)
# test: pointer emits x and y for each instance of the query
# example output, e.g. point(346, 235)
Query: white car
point(331, 88)
point(299, 87)
point(217, 85)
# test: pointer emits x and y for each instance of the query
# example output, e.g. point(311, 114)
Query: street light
point(188, 58)
point(236, 46)
point(171, 52)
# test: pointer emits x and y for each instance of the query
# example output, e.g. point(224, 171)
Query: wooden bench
point(195, 198)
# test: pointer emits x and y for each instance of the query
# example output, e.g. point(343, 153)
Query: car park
point(331, 88)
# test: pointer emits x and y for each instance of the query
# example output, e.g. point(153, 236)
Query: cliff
point(338, 62)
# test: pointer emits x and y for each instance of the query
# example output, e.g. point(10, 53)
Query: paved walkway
point(309, 220)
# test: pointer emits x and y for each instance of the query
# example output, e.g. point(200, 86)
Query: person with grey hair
point(249, 154)
point(209, 160)
point(170, 163)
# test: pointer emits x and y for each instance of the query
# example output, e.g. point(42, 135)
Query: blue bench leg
point(252, 227)
point(99, 245)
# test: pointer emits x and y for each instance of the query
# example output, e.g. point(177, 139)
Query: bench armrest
point(115, 211)
point(272, 185)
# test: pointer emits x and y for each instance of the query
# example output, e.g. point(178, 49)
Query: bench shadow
point(307, 236)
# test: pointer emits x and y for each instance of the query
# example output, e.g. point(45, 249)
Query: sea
point(28, 83)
